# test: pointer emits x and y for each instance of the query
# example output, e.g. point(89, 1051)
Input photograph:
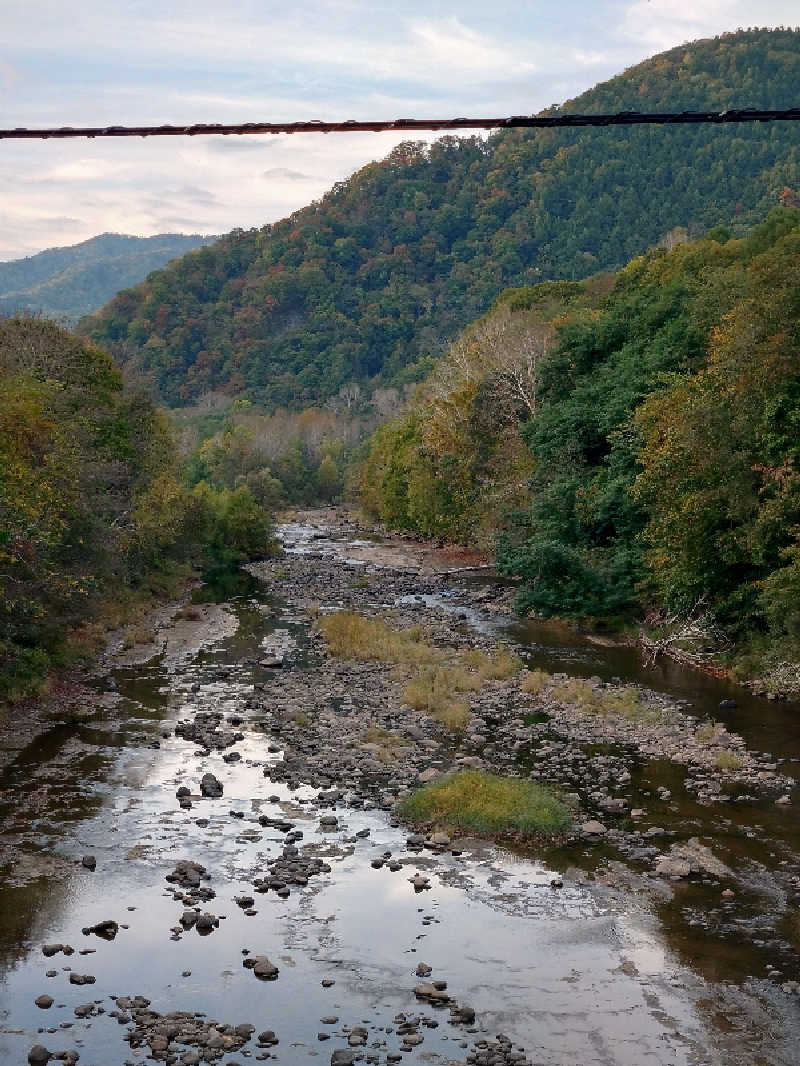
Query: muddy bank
point(237, 797)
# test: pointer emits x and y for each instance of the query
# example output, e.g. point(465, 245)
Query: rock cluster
point(106, 929)
point(189, 875)
point(40, 1056)
point(205, 730)
point(291, 867)
point(181, 1036)
point(499, 1052)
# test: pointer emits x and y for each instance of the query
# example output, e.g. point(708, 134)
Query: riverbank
point(689, 644)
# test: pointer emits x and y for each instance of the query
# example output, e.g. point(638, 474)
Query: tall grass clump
point(496, 667)
point(729, 760)
point(432, 691)
point(535, 681)
point(482, 803)
point(711, 733)
point(625, 702)
point(352, 636)
point(441, 674)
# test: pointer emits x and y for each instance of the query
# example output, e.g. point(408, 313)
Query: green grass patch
point(729, 760)
point(489, 805)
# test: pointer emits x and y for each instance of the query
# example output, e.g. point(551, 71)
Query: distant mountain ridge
point(73, 281)
point(370, 282)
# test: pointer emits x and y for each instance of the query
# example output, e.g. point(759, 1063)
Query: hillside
point(77, 280)
point(94, 515)
point(631, 444)
point(391, 264)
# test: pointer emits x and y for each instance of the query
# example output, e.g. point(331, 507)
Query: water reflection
point(566, 971)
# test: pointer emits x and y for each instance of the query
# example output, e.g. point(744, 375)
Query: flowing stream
point(591, 973)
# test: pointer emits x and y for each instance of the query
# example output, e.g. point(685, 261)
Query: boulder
point(106, 929)
point(671, 867)
point(210, 786)
point(592, 829)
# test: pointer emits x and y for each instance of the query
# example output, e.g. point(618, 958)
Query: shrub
point(487, 804)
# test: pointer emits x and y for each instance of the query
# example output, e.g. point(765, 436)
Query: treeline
point(631, 443)
point(94, 509)
point(285, 457)
point(375, 279)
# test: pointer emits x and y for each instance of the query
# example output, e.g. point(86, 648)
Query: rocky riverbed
point(212, 834)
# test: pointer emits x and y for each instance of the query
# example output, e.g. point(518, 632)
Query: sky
point(95, 62)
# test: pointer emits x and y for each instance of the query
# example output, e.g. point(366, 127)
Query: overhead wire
point(410, 125)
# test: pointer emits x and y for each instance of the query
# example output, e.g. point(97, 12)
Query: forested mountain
point(75, 281)
point(393, 262)
point(633, 442)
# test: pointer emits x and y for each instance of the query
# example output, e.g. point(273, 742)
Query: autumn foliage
point(650, 467)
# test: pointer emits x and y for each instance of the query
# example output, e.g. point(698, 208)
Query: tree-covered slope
point(93, 506)
point(630, 442)
point(391, 263)
point(77, 280)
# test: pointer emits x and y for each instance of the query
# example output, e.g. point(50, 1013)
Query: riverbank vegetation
point(441, 675)
point(95, 516)
point(472, 801)
point(630, 444)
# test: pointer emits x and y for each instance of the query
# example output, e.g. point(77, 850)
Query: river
point(580, 957)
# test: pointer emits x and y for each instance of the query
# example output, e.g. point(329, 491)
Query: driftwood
point(697, 627)
point(466, 569)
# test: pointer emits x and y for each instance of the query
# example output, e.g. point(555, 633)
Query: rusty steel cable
point(411, 125)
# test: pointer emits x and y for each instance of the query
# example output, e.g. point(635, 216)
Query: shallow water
point(573, 974)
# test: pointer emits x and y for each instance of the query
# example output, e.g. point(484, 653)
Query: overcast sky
point(180, 61)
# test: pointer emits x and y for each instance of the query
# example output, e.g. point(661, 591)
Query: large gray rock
point(429, 775)
point(592, 829)
point(701, 859)
point(671, 867)
point(262, 967)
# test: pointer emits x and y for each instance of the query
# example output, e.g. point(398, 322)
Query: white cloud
point(83, 170)
point(285, 174)
point(663, 24)
point(247, 60)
